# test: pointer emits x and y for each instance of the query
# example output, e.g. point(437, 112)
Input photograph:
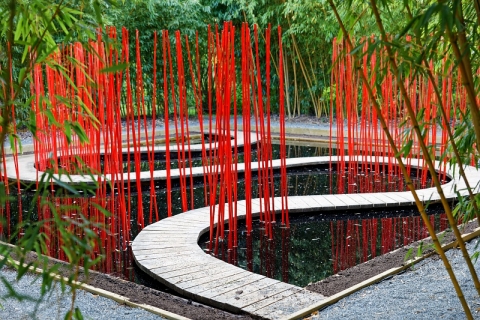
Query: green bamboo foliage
point(393, 56)
point(30, 31)
point(426, 154)
point(422, 58)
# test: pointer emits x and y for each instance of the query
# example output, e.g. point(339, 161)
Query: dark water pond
point(315, 247)
point(319, 245)
point(313, 236)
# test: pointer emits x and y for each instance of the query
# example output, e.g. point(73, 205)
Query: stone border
point(168, 250)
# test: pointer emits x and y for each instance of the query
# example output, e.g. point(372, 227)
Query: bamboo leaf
point(68, 132)
point(19, 29)
point(77, 128)
point(115, 68)
point(408, 254)
point(105, 212)
point(65, 186)
point(62, 25)
point(405, 150)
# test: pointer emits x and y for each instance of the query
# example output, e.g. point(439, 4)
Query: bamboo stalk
point(304, 71)
point(419, 204)
point(462, 54)
point(426, 154)
point(454, 145)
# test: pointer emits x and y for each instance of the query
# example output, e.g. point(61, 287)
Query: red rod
point(166, 42)
point(283, 166)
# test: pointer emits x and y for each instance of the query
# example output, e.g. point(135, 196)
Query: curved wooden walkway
point(168, 250)
point(28, 173)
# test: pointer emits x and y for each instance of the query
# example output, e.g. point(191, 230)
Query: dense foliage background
point(308, 30)
point(309, 27)
point(438, 28)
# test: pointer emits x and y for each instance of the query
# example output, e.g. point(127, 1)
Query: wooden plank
point(403, 198)
point(159, 237)
point(203, 273)
point(180, 241)
point(168, 230)
point(241, 300)
point(174, 223)
point(229, 297)
point(299, 204)
point(270, 300)
point(187, 284)
point(154, 264)
point(163, 228)
point(362, 201)
point(323, 202)
point(379, 200)
point(229, 284)
point(344, 200)
point(192, 218)
point(289, 305)
point(314, 205)
point(182, 269)
point(142, 246)
point(179, 249)
point(169, 255)
point(392, 200)
point(336, 201)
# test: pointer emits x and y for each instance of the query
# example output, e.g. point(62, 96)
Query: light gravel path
point(425, 292)
point(57, 304)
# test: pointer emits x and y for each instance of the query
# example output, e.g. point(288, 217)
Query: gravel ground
point(425, 292)
point(55, 305)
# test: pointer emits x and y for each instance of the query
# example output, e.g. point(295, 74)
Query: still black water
point(318, 245)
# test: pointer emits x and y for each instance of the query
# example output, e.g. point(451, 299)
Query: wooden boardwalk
point(168, 250)
point(29, 174)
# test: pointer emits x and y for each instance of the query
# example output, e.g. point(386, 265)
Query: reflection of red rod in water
point(355, 241)
point(285, 251)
